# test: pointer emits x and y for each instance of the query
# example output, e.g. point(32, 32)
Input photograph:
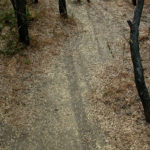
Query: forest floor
point(73, 87)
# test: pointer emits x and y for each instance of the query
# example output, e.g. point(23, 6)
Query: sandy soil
point(77, 92)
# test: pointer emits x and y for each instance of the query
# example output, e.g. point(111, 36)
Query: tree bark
point(79, 1)
point(134, 2)
point(62, 8)
point(136, 59)
point(35, 1)
point(22, 21)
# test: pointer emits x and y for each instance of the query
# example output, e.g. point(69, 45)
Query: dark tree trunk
point(79, 1)
point(35, 1)
point(136, 59)
point(22, 21)
point(62, 8)
point(134, 2)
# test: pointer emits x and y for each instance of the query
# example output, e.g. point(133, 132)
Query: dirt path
point(61, 119)
point(63, 115)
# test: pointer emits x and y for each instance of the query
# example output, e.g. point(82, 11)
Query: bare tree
point(136, 59)
point(62, 8)
point(134, 2)
point(20, 11)
point(80, 1)
point(35, 1)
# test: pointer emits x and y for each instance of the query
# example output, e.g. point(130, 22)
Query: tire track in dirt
point(79, 84)
point(85, 55)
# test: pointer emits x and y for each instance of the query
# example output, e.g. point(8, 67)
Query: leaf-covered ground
point(32, 78)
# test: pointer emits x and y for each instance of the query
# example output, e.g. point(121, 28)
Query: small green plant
point(7, 18)
point(27, 61)
point(12, 46)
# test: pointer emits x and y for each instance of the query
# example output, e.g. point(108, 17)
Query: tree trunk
point(79, 1)
point(35, 1)
point(136, 59)
point(22, 21)
point(62, 8)
point(134, 2)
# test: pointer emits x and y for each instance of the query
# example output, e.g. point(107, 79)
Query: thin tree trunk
point(35, 1)
point(22, 21)
point(62, 8)
point(134, 2)
point(79, 1)
point(136, 59)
